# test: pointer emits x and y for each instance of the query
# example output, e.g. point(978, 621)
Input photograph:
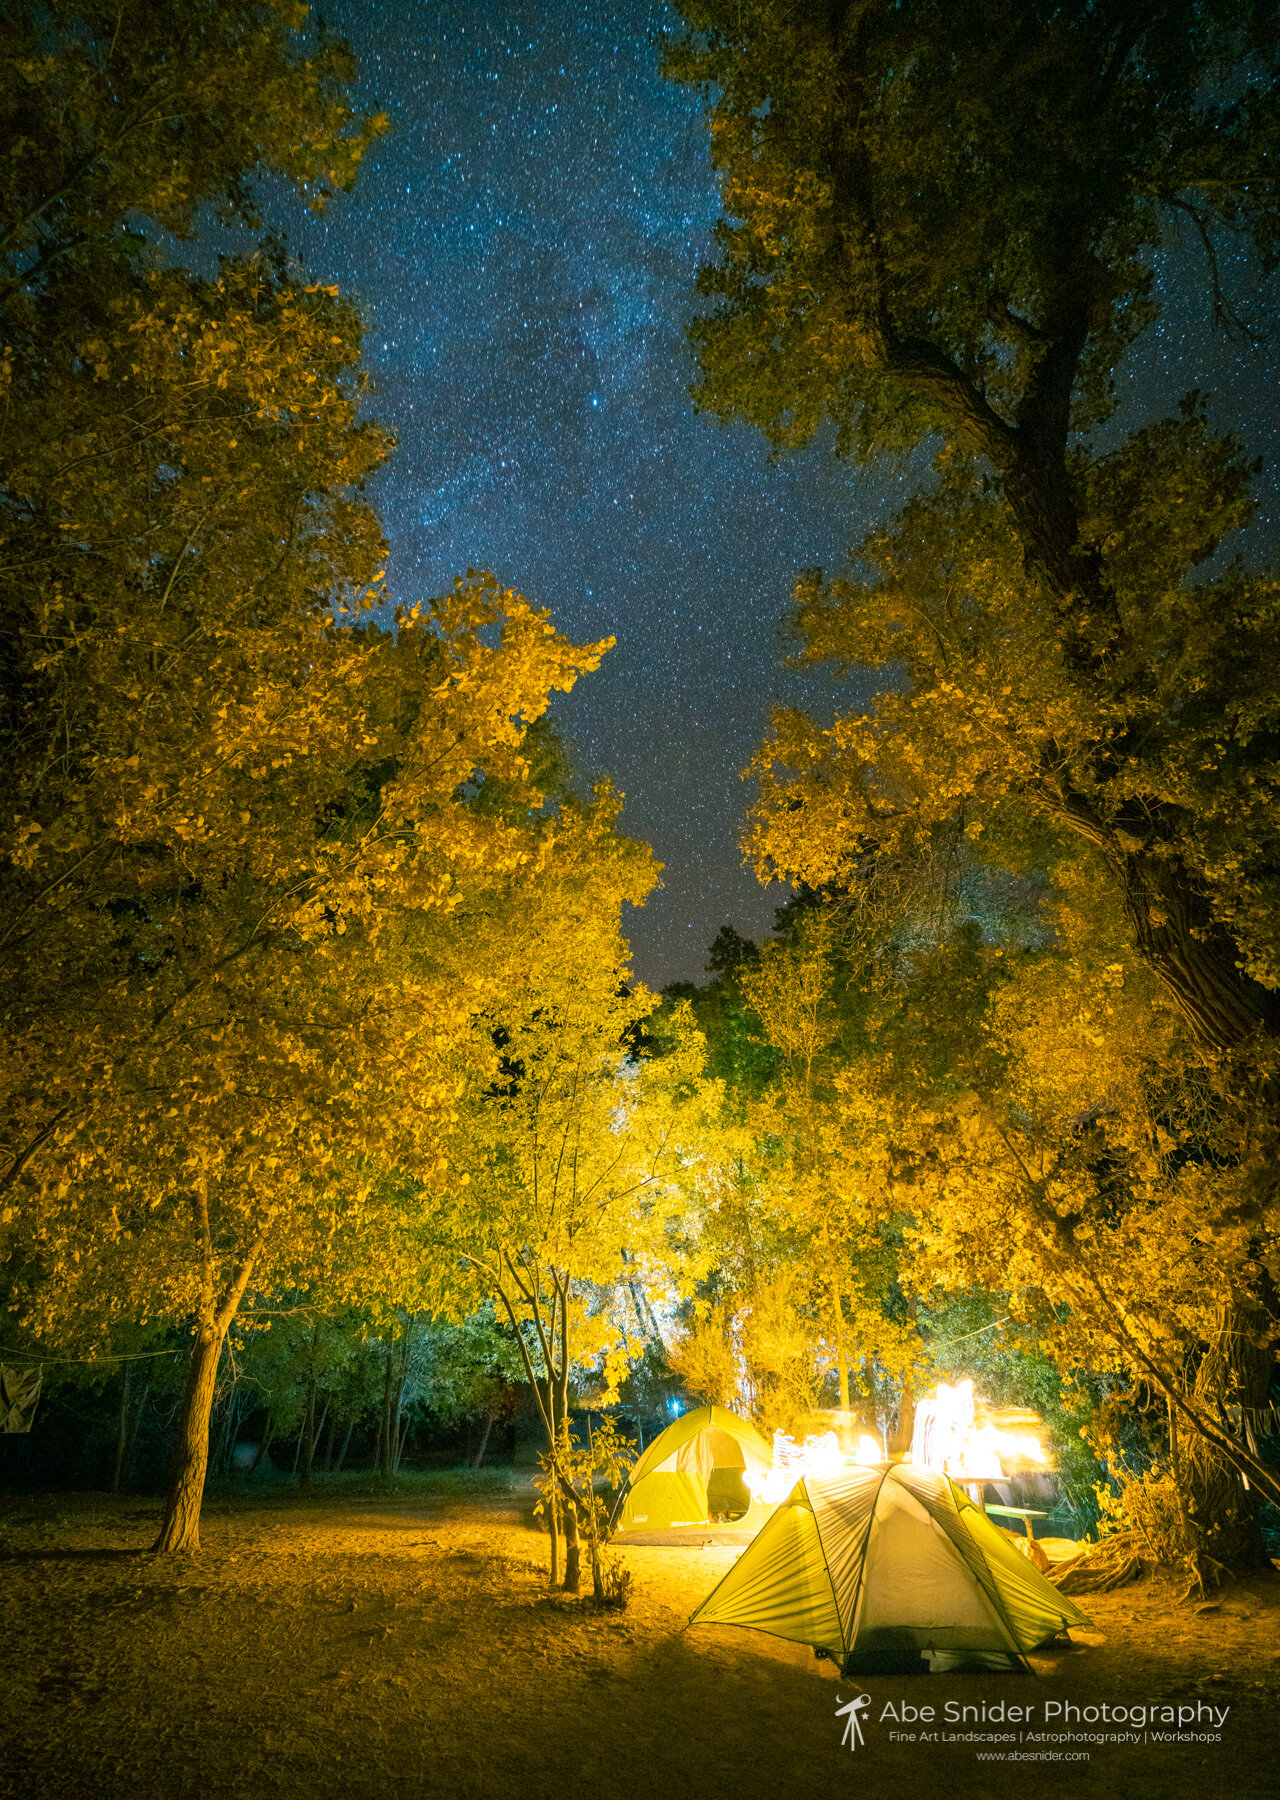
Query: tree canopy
point(244, 823)
point(316, 1005)
point(941, 228)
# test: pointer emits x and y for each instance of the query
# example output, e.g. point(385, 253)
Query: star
point(525, 243)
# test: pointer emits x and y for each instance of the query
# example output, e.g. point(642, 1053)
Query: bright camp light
point(972, 1441)
point(869, 1451)
point(791, 1461)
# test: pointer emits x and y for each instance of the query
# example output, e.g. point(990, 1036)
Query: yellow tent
point(695, 1469)
point(890, 1569)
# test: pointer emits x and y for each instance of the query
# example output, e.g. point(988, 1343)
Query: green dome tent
point(695, 1469)
point(890, 1570)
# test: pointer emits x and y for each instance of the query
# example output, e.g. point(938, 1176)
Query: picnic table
point(1025, 1513)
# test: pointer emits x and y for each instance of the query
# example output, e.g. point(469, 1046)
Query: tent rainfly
point(695, 1469)
point(890, 1569)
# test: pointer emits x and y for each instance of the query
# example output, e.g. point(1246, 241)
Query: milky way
point(525, 243)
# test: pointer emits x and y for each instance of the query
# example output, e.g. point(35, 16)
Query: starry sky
point(525, 244)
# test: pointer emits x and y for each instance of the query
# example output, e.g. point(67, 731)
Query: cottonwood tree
point(986, 689)
point(274, 1049)
point(233, 821)
point(943, 222)
point(814, 993)
point(121, 112)
point(179, 470)
point(231, 810)
point(801, 1224)
point(576, 1149)
point(178, 464)
point(1060, 1145)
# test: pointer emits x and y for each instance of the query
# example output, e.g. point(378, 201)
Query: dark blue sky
point(525, 243)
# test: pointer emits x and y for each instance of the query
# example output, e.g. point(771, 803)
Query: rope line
point(24, 1356)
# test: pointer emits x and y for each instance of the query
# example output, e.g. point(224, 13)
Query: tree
point(573, 1146)
point(1070, 1160)
point(472, 1369)
point(942, 222)
point(804, 1223)
point(238, 818)
point(181, 459)
point(790, 990)
point(262, 1055)
point(942, 219)
point(230, 818)
point(116, 113)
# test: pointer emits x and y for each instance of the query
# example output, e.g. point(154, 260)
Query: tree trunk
point(382, 1462)
point(484, 1440)
point(180, 1528)
point(593, 1541)
point(122, 1431)
point(220, 1458)
point(572, 1549)
point(553, 1527)
point(1223, 1509)
point(326, 1459)
point(346, 1445)
point(243, 1407)
point(1173, 928)
point(135, 1420)
point(394, 1438)
point(837, 1314)
point(400, 1425)
point(635, 1301)
point(314, 1433)
point(900, 1442)
point(593, 1524)
point(264, 1443)
point(306, 1440)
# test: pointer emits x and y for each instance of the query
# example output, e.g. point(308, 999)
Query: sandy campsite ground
point(357, 1645)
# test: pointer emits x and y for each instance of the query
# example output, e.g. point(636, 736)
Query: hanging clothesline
point(978, 1333)
point(25, 1356)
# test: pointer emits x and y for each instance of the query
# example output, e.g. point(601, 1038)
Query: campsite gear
point(890, 1569)
point(695, 1469)
point(19, 1392)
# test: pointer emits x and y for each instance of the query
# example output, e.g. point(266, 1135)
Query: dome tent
point(890, 1569)
point(693, 1469)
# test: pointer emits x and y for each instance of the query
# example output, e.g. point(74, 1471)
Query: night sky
point(525, 243)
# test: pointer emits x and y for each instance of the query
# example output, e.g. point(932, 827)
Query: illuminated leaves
point(240, 832)
point(113, 114)
point(920, 199)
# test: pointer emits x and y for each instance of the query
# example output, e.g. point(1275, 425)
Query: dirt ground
point(357, 1645)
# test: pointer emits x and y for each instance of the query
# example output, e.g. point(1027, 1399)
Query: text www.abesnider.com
point(1032, 1755)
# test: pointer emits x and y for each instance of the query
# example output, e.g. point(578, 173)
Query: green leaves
point(933, 214)
point(115, 114)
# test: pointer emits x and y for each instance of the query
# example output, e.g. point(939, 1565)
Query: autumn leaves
point(258, 928)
